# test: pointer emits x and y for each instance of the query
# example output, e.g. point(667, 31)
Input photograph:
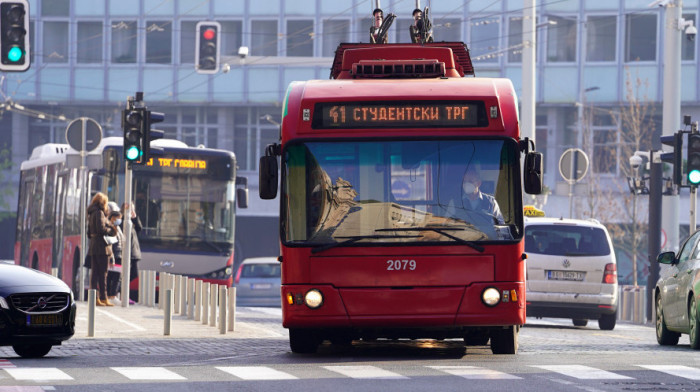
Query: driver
point(482, 209)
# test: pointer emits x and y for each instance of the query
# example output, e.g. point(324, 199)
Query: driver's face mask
point(469, 188)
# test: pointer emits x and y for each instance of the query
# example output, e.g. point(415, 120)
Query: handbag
point(109, 240)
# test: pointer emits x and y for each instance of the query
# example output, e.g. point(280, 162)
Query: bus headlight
point(313, 298)
point(491, 296)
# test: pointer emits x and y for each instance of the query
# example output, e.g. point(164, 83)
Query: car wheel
point(580, 322)
point(694, 318)
point(31, 350)
point(505, 341)
point(303, 341)
point(606, 322)
point(663, 335)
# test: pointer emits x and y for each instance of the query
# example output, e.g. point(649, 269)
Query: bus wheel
point(303, 341)
point(505, 341)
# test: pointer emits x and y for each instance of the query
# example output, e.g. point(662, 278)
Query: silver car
point(258, 282)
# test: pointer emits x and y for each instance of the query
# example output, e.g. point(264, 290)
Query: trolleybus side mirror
point(532, 173)
point(242, 193)
point(268, 177)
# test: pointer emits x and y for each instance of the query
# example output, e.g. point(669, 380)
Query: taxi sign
point(531, 211)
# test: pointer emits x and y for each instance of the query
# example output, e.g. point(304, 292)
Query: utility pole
point(654, 229)
point(671, 114)
point(528, 99)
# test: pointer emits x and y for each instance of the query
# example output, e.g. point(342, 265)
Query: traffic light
point(151, 118)
point(693, 159)
point(14, 35)
point(207, 47)
point(133, 122)
point(675, 157)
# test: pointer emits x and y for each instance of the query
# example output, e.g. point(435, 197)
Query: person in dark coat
point(99, 251)
point(129, 211)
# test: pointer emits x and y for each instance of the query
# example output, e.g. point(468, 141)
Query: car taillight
point(610, 274)
point(238, 274)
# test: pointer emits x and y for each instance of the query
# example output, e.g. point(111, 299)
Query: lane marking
point(365, 372)
point(583, 372)
point(148, 373)
point(25, 389)
point(675, 370)
point(475, 373)
point(38, 374)
point(121, 320)
point(256, 373)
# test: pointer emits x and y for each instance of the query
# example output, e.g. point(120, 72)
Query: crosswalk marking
point(5, 363)
point(38, 374)
point(256, 373)
point(583, 372)
point(148, 373)
point(475, 373)
point(365, 372)
point(676, 370)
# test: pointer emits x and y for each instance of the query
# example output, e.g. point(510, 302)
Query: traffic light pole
point(693, 206)
point(654, 234)
point(126, 251)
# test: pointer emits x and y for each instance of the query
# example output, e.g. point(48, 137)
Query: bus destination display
point(400, 114)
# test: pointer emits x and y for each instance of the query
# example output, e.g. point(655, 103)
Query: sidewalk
point(138, 321)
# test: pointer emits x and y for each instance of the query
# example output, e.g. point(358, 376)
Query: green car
point(677, 294)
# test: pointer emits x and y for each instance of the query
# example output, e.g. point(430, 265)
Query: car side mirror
point(666, 258)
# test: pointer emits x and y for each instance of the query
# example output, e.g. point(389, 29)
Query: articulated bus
point(379, 235)
point(184, 198)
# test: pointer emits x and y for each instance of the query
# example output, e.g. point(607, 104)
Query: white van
point(571, 271)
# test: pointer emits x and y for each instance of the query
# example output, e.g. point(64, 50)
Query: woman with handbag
point(100, 250)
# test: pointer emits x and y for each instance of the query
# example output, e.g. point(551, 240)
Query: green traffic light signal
point(14, 54)
point(133, 153)
point(694, 177)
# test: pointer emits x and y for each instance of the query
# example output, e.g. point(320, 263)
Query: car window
point(261, 271)
point(689, 247)
point(563, 240)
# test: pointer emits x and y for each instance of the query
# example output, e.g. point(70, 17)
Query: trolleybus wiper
point(352, 239)
point(440, 230)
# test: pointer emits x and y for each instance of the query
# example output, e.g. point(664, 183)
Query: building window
point(640, 37)
point(231, 37)
point(688, 46)
point(335, 32)
point(403, 35)
point(601, 34)
point(515, 40)
point(55, 8)
point(300, 38)
point(449, 30)
point(159, 42)
point(483, 41)
point(561, 40)
point(55, 42)
point(263, 38)
point(89, 42)
point(124, 41)
point(188, 32)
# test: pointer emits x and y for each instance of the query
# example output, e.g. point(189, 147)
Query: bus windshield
point(358, 192)
point(185, 209)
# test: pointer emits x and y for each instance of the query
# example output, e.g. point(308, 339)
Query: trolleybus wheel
point(303, 341)
point(505, 341)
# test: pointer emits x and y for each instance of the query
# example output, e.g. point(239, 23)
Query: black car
point(37, 311)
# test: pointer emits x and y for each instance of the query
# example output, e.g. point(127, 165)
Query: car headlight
point(491, 296)
point(3, 303)
point(313, 298)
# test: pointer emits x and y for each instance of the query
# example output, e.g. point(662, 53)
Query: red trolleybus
point(380, 237)
point(184, 198)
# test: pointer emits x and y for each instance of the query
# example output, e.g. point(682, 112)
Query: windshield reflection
point(401, 191)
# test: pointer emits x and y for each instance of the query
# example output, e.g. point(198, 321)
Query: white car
point(571, 271)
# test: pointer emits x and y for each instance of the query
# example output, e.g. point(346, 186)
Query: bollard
point(163, 286)
point(223, 295)
point(190, 298)
point(177, 281)
point(146, 287)
point(54, 272)
point(231, 309)
point(183, 296)
point(91, 312)
point(167, 310)
point(141, 289)
point(198, 301)
point(205, 302)
point(212, 302)
point(153, 284)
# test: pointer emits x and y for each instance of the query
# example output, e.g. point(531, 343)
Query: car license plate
point(566, 275)
point(260, 286)
point(44, 320)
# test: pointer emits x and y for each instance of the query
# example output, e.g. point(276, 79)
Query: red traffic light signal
point(207, 47)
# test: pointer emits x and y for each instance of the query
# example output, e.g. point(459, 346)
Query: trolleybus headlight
point(313, 298)
point(491, 296)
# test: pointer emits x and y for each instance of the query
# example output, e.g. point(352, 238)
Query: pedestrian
point(130, 211)
point(100, 247)
point(114, 270)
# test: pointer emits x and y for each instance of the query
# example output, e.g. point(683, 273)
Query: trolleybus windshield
point(359, 192)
